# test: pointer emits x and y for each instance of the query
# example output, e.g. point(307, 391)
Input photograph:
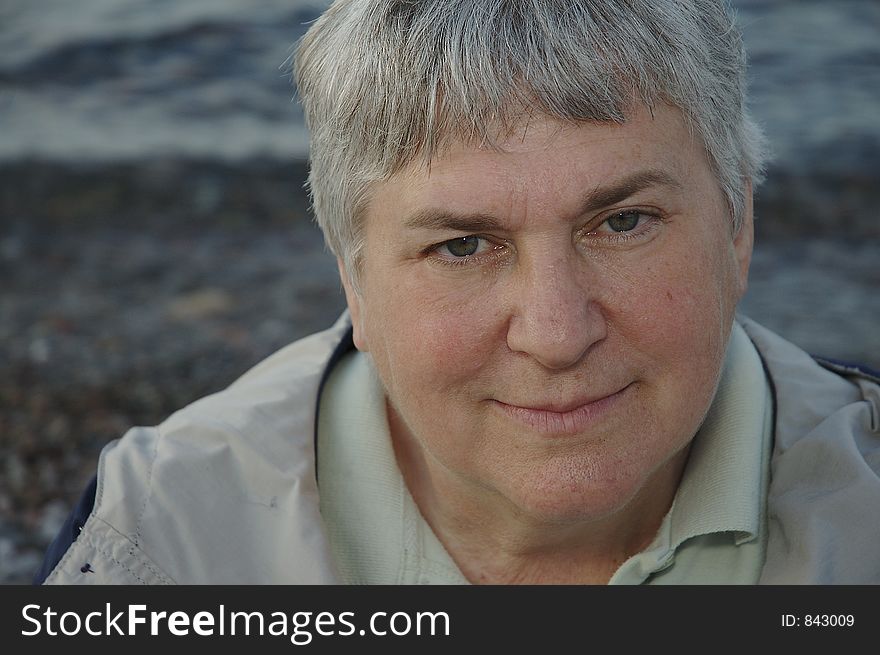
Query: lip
point(559, 418)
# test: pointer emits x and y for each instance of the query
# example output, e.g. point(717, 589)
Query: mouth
point(562, 417)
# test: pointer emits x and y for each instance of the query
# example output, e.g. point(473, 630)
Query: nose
point(556, 317)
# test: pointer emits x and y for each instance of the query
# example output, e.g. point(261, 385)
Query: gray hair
point(384, 82)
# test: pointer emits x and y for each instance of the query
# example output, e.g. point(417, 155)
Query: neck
point(494, 542)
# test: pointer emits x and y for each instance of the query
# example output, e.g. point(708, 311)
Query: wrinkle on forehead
point(551, 162)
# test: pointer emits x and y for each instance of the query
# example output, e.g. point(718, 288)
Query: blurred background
point(155, 240)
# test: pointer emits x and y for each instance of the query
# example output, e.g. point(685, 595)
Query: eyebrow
point(599, 198)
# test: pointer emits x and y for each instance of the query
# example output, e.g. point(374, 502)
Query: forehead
point(549, 163)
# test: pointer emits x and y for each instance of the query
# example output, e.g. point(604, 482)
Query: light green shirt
point(714, 533)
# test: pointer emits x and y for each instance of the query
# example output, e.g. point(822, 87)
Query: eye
point(624, 221)
point(470, 250)
point(625, 226)
point(464, 247)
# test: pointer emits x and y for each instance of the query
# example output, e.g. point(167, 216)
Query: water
point(111, 79)
point(121, 79)
point(815, 80)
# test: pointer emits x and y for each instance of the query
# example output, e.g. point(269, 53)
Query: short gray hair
point(384, 82)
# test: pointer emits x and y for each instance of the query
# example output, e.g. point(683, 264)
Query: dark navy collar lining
point(345, 346)
point(848, 368)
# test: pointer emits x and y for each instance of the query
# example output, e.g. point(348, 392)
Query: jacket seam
point(149, 492)
point(87, 539)
point(91, 540)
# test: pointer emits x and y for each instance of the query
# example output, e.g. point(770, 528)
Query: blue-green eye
point(472, 249)
point(463, 246)
point(624, 221)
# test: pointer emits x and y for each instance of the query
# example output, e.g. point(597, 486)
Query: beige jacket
point(224, 491)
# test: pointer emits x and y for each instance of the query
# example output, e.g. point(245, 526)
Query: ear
point(743, 242)
point(353, 298)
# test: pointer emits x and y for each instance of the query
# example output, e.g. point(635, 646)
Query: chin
point(573, 495)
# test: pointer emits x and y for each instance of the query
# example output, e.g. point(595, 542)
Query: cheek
point(687, 322)
point(679, 313)
point(432, 338)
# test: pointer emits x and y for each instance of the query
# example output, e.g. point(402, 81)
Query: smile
point(562, 418)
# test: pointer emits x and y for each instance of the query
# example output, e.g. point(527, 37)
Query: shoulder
point(223, 491)
point(809, 390)
point(823, 504)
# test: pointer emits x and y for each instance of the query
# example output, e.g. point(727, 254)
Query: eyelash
point(612, 238)
point(641, 230)
point(493, 254)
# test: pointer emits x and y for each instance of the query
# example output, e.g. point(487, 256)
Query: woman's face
point(549, 320)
